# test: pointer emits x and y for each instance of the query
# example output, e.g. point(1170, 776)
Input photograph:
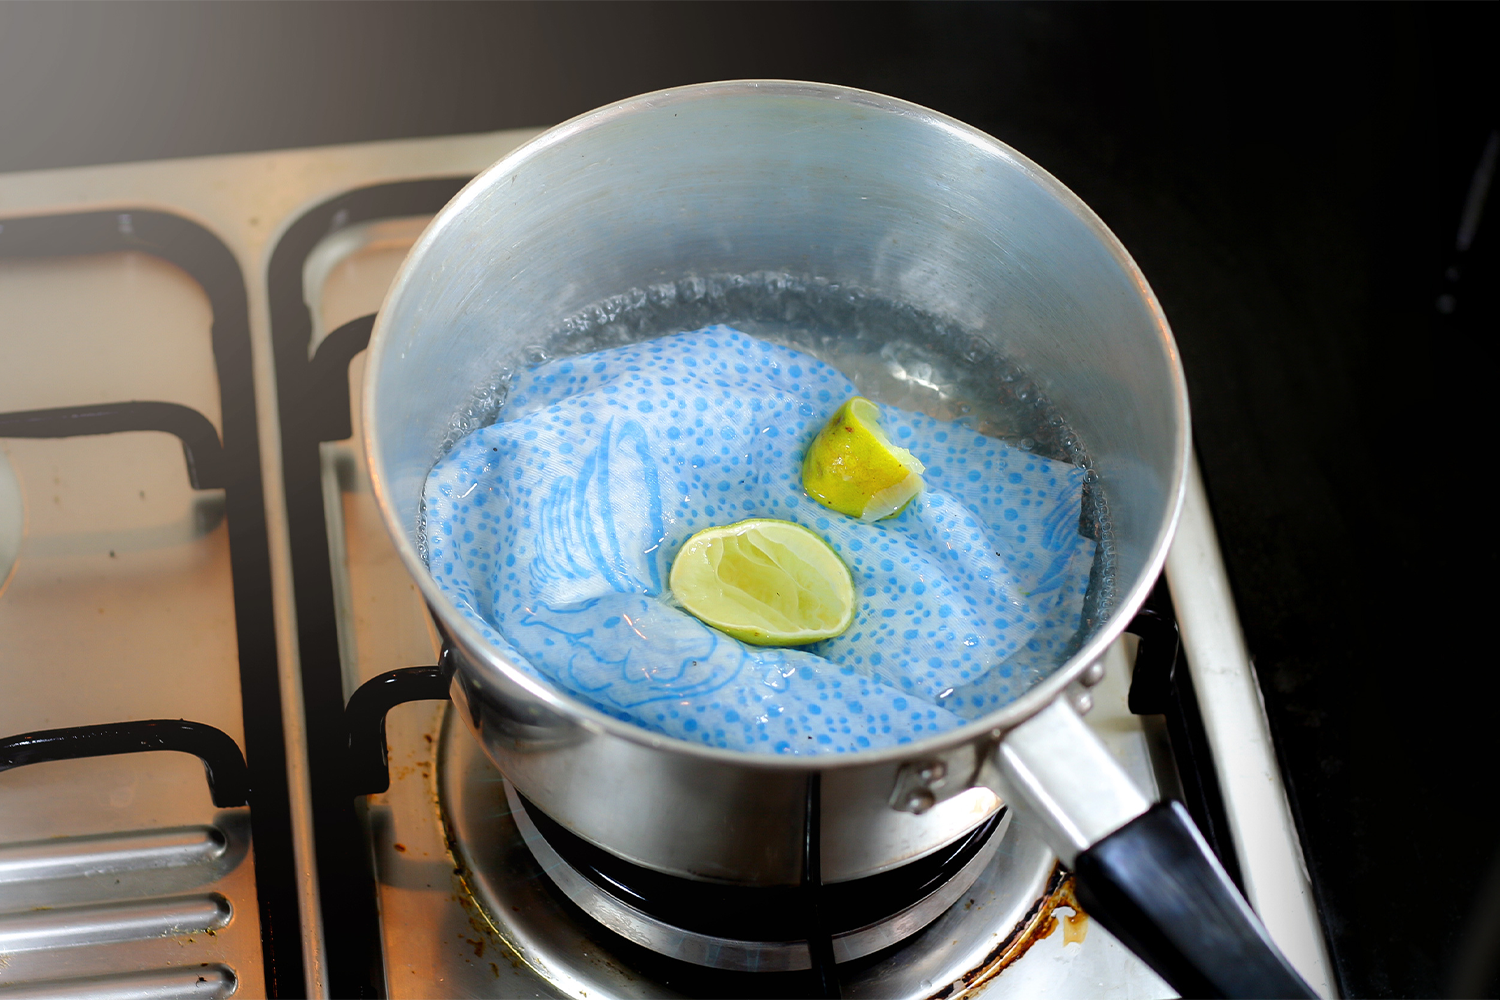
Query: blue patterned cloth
point(554, 530)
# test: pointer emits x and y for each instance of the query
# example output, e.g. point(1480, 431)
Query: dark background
point(1291, 180)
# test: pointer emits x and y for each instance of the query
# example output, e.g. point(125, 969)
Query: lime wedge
point(765, 582)
point(853, 468)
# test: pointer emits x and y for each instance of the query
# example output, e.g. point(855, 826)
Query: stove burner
point(514, 894)
point(745, 928)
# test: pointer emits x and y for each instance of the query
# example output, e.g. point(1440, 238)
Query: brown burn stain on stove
point(1075, 925)
point(1039, 922)
point(463, 893)
point(480, 921)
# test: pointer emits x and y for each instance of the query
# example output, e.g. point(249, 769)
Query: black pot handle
point(1144, 871)
point(1157, 886)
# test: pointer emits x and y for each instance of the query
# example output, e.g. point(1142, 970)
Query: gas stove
point(191, 560)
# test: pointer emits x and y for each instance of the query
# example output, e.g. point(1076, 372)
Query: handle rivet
point(919, 801)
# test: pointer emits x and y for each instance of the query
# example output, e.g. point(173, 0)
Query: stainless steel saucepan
point(876, 194)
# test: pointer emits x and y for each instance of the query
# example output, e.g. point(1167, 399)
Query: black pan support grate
point(223, 765)
point(233, 466)
point(313, 395)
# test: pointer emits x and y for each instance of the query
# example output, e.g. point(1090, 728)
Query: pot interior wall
point(857, 190)
point(740, 178)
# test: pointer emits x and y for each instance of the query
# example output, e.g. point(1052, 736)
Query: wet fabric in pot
point(554, 529)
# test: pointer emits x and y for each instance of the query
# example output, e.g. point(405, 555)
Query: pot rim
point(991, 726)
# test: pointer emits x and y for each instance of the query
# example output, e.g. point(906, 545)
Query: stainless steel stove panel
point(437, 939)
point(154, 564)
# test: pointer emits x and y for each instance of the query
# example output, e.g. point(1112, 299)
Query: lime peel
point(854, 468)
point(765, 582)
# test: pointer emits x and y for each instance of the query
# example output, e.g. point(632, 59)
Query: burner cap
point(751, 928)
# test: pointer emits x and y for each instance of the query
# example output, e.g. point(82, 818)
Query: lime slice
point(853, 468)
point(765, 582)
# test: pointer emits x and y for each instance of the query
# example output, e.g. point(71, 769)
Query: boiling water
point(893, 353)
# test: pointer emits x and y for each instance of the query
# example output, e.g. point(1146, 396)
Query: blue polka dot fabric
point(554, 530)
